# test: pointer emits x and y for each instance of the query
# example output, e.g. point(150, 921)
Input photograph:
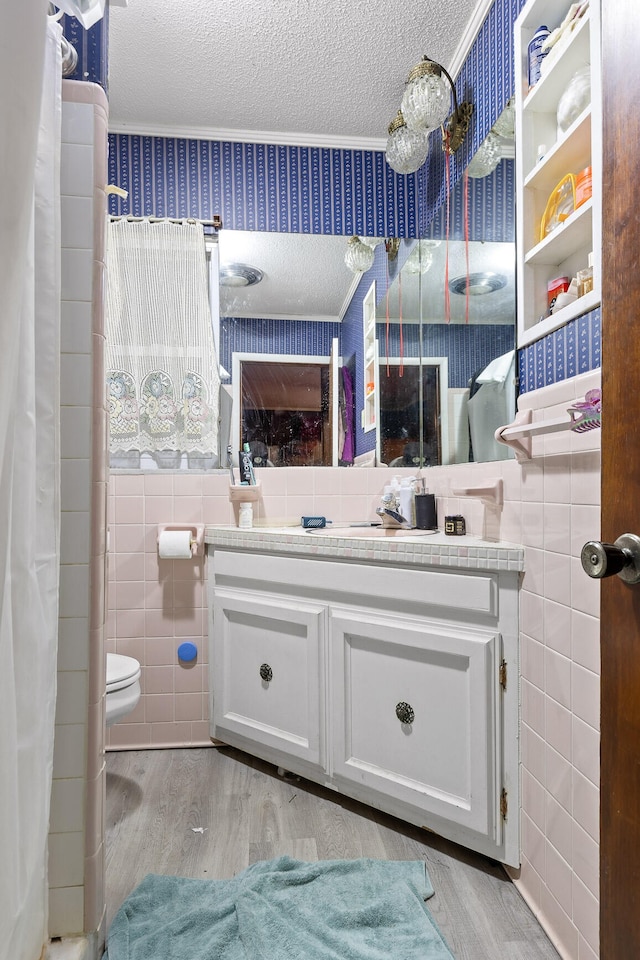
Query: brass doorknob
point(600, 560)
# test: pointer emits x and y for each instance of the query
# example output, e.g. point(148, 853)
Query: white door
point(334, 400)
point(268, 685)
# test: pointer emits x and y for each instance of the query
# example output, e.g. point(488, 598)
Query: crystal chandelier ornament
point(426, 105)
point(487, 157)
point(406, 149)
point(421, 257)
point(426, 100)
point(359, 256)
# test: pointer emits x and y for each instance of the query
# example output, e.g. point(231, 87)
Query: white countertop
point(373, 545)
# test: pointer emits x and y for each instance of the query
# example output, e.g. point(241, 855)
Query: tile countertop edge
point(438, 550)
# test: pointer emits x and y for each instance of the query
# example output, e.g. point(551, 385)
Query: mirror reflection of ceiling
point(319, 74)
point(495, 261)
point(304, 276)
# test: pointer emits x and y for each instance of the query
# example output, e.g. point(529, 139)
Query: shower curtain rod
point(69, 57)
point(215, 223)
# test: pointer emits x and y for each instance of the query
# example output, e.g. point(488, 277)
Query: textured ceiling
point(305, 276)
point(294, 71)
point(497, 259)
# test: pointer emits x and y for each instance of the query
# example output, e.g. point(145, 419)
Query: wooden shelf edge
point(555, 238)
point(571, 312)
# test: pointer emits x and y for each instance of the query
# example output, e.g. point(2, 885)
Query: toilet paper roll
point(175, 545)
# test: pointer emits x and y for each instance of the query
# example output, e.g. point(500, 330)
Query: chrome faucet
point(390, 513)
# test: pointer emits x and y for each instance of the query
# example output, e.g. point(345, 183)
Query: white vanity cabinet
point(395, 684)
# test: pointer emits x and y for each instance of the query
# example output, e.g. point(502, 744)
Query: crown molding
point(284, 316)
point(467, 39)
point(250, 136)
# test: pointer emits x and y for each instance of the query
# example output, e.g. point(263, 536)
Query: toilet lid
point(121, 671)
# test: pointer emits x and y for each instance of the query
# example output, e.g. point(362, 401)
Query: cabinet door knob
point(600, 560)
point(266, 672)
point(404, 712)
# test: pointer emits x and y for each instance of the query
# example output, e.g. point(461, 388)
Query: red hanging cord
point(466, 243)
point(401, 367)
point(447, 181)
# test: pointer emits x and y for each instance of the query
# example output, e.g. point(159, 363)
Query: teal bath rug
point(283, 909)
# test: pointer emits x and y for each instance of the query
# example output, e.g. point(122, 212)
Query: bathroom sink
point(378, 532)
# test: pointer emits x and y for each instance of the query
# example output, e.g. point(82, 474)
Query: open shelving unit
point(566, 249)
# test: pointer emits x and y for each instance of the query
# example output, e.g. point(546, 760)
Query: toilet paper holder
point(197, 535)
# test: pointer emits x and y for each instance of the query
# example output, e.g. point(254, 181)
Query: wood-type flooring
point(210, 813)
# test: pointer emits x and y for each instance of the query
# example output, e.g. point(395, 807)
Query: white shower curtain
point(162, 372)
point(30, 114)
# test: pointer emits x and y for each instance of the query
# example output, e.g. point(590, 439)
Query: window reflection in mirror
point(413, 431)
point(285, 413)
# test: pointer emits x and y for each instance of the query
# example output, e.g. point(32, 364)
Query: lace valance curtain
point(162, 372)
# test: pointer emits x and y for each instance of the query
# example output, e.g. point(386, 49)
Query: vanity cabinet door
point(269, 676)
point(415, 719)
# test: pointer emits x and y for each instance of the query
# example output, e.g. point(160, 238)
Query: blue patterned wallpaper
point(492, 208)
point(468, 347)
point(567, 352)
point(262, 186)
point(300, 337)
point(91, 46)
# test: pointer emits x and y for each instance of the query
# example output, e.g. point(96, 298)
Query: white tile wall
point(73, 806)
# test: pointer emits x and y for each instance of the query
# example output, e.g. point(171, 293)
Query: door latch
point(600, 560)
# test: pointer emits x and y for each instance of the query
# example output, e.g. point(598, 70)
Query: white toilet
point(123, 686)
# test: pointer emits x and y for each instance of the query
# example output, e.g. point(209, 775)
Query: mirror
point(465, 341)
point(279, 341)
point(444, 384)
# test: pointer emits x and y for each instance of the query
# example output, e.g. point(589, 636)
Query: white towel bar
point(517, 435)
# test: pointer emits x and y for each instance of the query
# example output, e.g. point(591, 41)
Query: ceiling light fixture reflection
point(239, 275)
point(421, 257)
point(359, 256)
point(477, 284)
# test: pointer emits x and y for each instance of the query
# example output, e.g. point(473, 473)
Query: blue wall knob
point(187, 651)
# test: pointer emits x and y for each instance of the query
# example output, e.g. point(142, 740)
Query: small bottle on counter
point(245, 521)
